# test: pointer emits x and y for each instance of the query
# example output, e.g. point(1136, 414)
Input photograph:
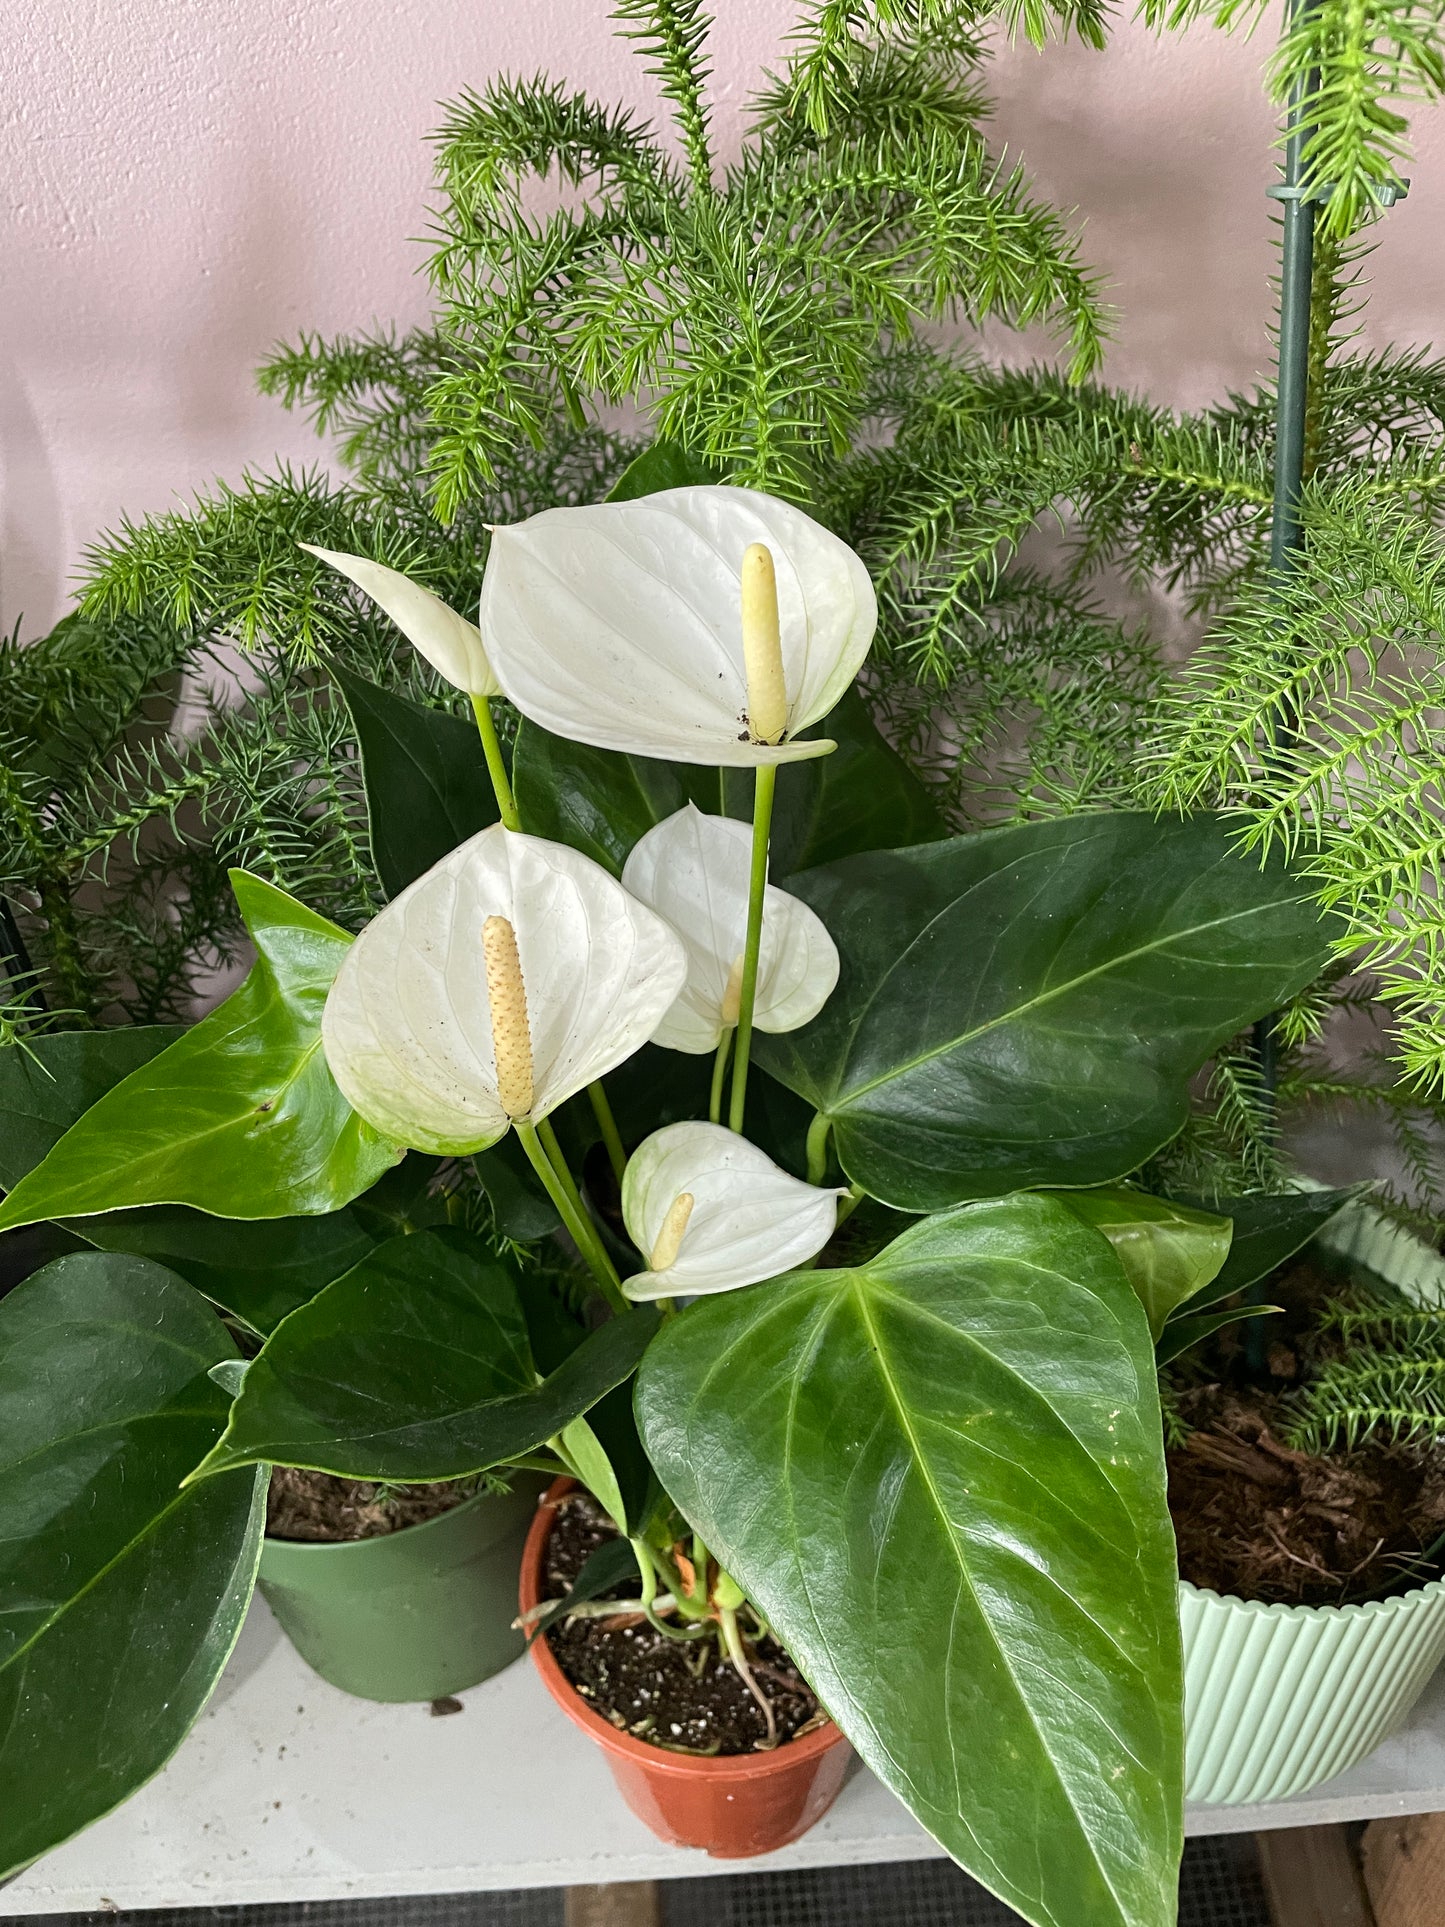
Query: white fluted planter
point(1279, 1698)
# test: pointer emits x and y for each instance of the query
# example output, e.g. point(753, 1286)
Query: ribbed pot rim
point(1278, 1608)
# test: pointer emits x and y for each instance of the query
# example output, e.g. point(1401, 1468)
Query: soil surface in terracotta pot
point(685, 1698)
point(316, 1507)
point(1260, 1520)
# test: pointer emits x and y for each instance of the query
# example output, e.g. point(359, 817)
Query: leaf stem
point(496, 766)
point(558, 1184)
point(765, 777)
point(607, 1125)
point(819, 1132)
point(719, 1075)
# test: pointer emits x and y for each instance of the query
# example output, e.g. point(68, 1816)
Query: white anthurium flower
point(492, 989)
point(623, 624)
point(452, 645)
point(693, 870)
point(712, 1212)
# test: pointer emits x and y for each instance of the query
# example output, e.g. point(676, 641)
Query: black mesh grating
point(1220, 1888)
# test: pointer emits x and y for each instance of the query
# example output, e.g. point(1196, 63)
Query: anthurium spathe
point(452, 645)
point(693, 870)
point(623, 624)
point(496, 986)
point(711, 1212)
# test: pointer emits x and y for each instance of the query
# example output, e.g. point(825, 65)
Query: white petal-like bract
point(693, 870)
point(748, 1221)
point(620, 624)
point(408, 1029)
point(452, 645)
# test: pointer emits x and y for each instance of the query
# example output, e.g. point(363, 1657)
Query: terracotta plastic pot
point(412, 1615)
point(732, 1807)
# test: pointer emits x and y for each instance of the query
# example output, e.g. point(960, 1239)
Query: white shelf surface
point(288, 1790)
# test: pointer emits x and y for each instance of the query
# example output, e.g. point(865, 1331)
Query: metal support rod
point(15, 960)
point(1286, 532)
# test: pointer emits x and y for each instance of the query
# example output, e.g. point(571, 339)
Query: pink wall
point(192, 179)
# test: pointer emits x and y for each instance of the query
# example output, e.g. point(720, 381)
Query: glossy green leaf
point(1268, 1230)
point(665, 465)
point(1168, 1251)
point(1027, 1006)
point(1180, 1333)
point(611, 1566)
point(416, 1366)
point(520, 1205)
point(427, 788)
point(241, 1116)
point(120, 1594)
point(587, 1456)
point(862, 797)
point(259, 1269)
point(941, 1478)
point(46, 1087)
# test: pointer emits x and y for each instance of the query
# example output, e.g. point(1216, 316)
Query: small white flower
point(511, 951)
point(452, 645)
point(621, 624)
point(711, 1212)
point(693, 870)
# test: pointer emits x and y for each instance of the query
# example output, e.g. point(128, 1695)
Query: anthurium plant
point(835, 1114)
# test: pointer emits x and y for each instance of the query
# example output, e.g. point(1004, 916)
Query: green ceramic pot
point(414, 1615)
point(1279, 1699)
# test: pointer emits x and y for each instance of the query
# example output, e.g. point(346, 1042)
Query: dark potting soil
point(1257, 1519)
point(315, 1506)
point(686, 1698)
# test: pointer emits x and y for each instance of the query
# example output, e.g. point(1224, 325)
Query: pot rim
point(655, 1759)
point(1433, 1590)
point(312, 1547)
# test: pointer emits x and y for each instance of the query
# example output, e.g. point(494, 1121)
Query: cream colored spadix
point(693, 870)
point(452, 645)
point(499, 984)
point(674, 1228)
point(745, 1220)
point(511, 1030)
point(767, 685)
point(623, 624)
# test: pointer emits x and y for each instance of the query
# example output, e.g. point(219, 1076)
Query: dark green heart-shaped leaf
point(416, 1366)
point(120, 1594)
point(861, 797)
point(941, 1478)
point(259, 1269)
point(1267, 1231)
point(1168, 1251)
point(427, 788)
point(598, 801)
point(1026, 1006)
point(1180, 1333)
point(521, 1207)
point(241, 1116)
point(612, 1566)
point(665, 465)
point(48, 1085)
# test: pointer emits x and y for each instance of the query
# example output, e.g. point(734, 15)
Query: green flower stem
point(719, 1074)
point(563, 1192)
point(496, 766)
point(651, 1563)
point(849, 1204)
point(607, 1125)
point(819, 1132)
point(763, 784)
